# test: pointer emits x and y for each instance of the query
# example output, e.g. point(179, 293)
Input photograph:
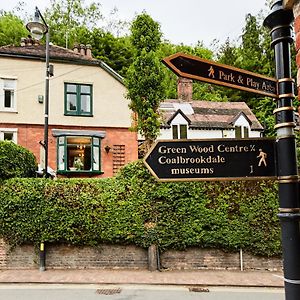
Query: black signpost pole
point(279, 21)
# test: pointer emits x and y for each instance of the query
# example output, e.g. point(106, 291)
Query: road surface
point(133, 292)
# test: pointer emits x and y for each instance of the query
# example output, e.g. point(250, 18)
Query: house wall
point(110, 107)
point(30, 135)
point(166, 133)
point(111, 113)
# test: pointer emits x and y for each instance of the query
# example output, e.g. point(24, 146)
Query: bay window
point(78, 151)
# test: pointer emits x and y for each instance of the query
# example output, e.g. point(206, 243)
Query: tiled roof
point(209, 114)
point(56, 54)
point(38, 51)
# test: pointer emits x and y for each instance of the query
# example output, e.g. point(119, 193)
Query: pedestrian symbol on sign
point(211, 72)
point(262, 155)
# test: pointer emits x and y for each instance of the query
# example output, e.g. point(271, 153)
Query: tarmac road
point(133, 292)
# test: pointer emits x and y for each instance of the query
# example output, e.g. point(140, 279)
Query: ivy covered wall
point(133, 208)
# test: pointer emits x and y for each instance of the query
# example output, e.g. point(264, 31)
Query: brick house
point(185, 118)
point(89, 118)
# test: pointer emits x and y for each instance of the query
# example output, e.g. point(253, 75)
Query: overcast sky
point(187, 21)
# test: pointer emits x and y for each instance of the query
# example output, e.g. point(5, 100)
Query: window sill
point(9, 110)
point(76, 115)
point(69, 172)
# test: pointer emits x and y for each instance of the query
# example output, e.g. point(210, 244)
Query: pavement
point(165, 277)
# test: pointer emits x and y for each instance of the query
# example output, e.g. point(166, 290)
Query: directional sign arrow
point(193, 67)
point(220, 159)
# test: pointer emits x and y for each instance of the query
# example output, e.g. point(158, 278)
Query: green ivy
point(133, 208)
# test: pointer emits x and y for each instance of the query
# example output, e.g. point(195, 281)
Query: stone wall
point(129, 257)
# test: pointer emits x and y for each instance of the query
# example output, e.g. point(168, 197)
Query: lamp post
point(38, 28)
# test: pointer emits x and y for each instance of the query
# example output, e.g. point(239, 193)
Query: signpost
point(221, 159)
point(193, 67)
point(246, 159)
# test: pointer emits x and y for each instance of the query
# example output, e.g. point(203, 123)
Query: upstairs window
point(179, 131)
point(241, 132)
point(238, 132)
point(78, 99)
point(7, 94)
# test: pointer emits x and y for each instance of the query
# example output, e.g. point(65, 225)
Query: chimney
point(23, 42)
point(89, 51)
point(29, 41)
point(82, 49)
point(184, 89)
point(76, 48)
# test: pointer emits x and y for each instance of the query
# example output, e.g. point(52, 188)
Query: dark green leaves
point(16, 161)
point(134, 208)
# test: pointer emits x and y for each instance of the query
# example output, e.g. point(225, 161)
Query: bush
point(16, 161)
point(134, 208)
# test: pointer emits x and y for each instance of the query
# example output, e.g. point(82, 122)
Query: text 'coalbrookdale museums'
point(199, 159)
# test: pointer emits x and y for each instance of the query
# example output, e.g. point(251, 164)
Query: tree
point(68, 18)
point(145, 76)
point(256, 55)
point(116, 52)
point(200, 90)
point(12, 29)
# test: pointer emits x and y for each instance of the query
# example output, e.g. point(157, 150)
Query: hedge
point(16, 161)
point(133, 208)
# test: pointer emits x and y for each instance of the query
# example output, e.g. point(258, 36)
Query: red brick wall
point(197, 258)
point(129, 257)
point(29, 136)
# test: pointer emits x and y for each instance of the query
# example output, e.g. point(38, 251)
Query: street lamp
point(38, 28)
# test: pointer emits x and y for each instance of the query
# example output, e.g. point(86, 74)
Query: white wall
point(110, 107)
point(166, 133)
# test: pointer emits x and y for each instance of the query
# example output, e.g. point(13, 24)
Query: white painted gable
point(179, 119)
point(242, 121)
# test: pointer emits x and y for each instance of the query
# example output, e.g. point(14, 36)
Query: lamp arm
point(40, 14)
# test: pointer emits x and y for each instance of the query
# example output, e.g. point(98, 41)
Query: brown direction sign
point(220, 159)
point(193, 67)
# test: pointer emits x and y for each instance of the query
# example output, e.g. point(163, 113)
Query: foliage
point(67, 18)
point(145, 76)
point(134, 208)
point(12, 29)
point(116, 52)
point(16, 161)
point(201, 91)
point(253, 54)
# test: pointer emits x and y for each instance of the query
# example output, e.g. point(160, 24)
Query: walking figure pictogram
point(262, 155)
point(211, 72)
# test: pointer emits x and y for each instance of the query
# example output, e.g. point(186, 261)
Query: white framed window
point(8, 134)
point(8, 99)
